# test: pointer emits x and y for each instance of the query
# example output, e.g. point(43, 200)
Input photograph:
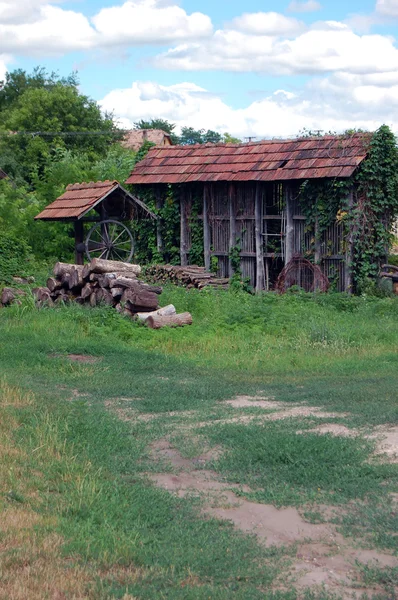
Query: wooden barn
point(250, 201)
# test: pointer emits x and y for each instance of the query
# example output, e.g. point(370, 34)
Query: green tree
point(42, 119)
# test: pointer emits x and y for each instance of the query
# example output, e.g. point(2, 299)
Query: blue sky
point(259, 67)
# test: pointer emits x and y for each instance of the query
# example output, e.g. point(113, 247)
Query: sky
point(253, 68)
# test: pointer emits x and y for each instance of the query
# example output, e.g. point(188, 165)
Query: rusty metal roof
point(80, 198)
point(275, 160)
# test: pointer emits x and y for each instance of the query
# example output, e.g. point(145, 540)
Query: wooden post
point(206, 227)
point(232, 222)
point(159, 237)
point(349, 279)
point(79, 240)
point(289, 240)
point(260, 283)
point(184, 228)
point(317, 256)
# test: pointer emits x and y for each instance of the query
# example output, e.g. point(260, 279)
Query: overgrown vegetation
point(75, 500)
point(366, 207)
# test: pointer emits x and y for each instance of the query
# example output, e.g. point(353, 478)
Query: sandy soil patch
point(333, 429)
point(387, 441)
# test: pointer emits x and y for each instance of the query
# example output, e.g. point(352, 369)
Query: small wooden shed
point(104, 205)
point(250, 197)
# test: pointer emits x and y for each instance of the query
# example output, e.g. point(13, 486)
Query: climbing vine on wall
point(365, 205)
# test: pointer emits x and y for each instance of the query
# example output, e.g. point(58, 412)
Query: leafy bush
point(14, 255)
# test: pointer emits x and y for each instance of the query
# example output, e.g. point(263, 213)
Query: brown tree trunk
point(157, 322)
point(161, 312)
point(98, 265)
point(61, 269)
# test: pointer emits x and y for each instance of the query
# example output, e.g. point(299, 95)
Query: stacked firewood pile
point(189, 277)
point(104, 282)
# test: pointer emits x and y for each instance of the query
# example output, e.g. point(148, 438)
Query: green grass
point(334, 352)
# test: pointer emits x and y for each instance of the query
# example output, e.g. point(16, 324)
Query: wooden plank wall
point(267, 222)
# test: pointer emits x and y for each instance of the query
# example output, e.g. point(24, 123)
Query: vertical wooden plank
point(289, 239)
point(184, 231)
point(206, 227)
point(159, 206)
point(317, 257)
point(79, 239)
point(260, 279)
point(349, 258)
point(232, 221)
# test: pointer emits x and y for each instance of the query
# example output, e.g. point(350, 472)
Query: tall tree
point(42, 113)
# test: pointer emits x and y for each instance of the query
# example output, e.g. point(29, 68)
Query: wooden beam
point(289, 238)
point(159, 206)
point(206, 227)
point(184, 224)
point(232, 222)
point(349, 257)
point(260, 279)
point(318, 256)
point(79, 240)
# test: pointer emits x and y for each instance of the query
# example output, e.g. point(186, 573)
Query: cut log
point(140, 298)
point(42, 295)
point(157, 322)
point(86, 272)
point(62, 298)
point(76, 278)
point(162, 312)
point(110, 277)
point(117, 292)
point(9, 295)
point(98, 265)
point(61, 269)
point(54, 284)
point(134, 284)
point(106, 297)
point(65, 280)
point(87, 290)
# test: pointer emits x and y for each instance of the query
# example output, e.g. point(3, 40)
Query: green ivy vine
point(365, 205)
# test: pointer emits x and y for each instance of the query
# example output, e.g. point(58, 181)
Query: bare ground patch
point(80, 358)
point(324, 559)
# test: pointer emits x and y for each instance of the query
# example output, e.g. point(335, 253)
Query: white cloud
point(12, 12)
point(388, 8)
point(55, 31)
point(149, 22)
point(40, 28)
point(325, 47)
point(335, 104)
point(304, 7)
point(270, 24)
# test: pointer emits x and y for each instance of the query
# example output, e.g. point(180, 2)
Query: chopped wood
point(54, 284)
point(62, 268)
point(42, 295)
point(157, 321)
point(161, 312)
point(9, 295)
point(140, 299)
point(191, 276)
point(76, 278)
point(117, 292)
point(86, 272)
point(87, 290)
point(98, 265)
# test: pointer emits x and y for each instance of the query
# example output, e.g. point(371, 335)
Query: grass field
point(248, 456)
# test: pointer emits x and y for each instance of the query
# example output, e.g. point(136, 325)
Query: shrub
point(14, 255)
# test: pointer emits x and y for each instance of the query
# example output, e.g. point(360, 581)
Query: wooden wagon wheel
point(110, 240)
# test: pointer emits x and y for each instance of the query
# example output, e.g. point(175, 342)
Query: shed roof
point(274, 160)
point(80, 198)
